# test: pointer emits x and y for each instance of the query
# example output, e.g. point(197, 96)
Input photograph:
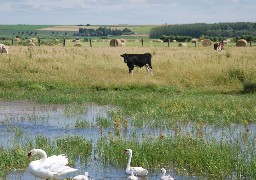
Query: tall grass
point(183, 67)
point(186, 155)
point(196, 84)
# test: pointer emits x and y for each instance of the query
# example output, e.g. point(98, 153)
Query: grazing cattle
point(4, 49)
point(139, 60)
point(218, 46)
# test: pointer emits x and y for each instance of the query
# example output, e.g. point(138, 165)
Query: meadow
point(189, 85)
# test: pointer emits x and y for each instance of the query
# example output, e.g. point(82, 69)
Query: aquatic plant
point(186, 155)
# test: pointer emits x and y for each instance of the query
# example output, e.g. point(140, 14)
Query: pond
point(28, 120)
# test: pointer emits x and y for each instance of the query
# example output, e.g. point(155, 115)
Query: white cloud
point(125, 11)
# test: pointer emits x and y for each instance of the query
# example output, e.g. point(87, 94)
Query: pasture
point(198, 109)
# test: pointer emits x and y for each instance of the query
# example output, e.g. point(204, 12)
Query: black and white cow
point(139, 60)
point(218, 46)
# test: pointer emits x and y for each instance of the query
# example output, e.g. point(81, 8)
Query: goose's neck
point(129, 161)
point(41, 153)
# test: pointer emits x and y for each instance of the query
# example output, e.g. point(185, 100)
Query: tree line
point(103, 31)
point(197, 30)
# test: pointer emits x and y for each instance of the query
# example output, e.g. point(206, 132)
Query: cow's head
point(125, 57)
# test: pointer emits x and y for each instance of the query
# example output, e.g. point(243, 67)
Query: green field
point(10, 31)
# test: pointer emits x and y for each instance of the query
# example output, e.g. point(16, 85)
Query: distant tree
point(212, 30)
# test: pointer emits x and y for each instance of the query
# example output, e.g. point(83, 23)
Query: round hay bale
point(194, 40)
point(174, 40)
point(182, 45)
point(17, 39)
point(29, 41)
point(158, 40)
point(31, 44)
point(33, 39)
point(123, 40)
point(78, 44)
point(225, 42)
point(115, 42)
point(229, 40)
point(207, 42)
point(241, 43)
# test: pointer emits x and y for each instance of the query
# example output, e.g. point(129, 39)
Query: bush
point(249, 87)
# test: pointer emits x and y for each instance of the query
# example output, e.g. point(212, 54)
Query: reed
point(185, 155)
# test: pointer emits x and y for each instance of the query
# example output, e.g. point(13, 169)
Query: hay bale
point(241, 43)
point(29, 41)
point(115, 42)
point(229, 40)
point(206, 42)
point(225, 42)
point(123, 40)
point(174, 40)
point(33, 40)
point(158, 40)
point(182, 45)
point(17, 39)
point(50, 44)
point(194, 40)
point(78, 44)
point(31, 44)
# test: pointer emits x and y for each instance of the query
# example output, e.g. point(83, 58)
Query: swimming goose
point(139, 171)
point(132, 177)
point(165, 177)
point(81, 177)
point(52, 167)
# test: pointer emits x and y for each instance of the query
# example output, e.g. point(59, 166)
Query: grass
point(190, 84)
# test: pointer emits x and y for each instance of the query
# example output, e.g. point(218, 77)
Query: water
point(52, 121)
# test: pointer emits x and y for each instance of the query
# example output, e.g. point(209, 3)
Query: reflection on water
point(26, 120)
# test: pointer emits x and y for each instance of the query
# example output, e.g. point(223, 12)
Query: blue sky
point(106, 12)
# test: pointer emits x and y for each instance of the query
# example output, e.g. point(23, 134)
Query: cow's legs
point(147, 68)
point(131, 71)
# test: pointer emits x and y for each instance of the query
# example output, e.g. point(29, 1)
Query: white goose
point(165, 177)
point(139, 171)
point(81, 177)
point(52, 167)
point(132, 177)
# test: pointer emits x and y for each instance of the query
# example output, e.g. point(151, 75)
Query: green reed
point(186, 155)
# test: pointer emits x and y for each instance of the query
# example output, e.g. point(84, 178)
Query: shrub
point(249, 87)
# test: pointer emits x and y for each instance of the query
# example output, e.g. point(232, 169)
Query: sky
point(131, 12)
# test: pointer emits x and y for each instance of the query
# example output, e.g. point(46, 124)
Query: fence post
point(195, 43)
point(142, 42)
point(250, 42)
point(168, 42)
point(64, 42)
point(12, 42)
point(90, 42)
point(39, 41)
